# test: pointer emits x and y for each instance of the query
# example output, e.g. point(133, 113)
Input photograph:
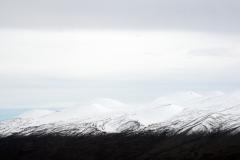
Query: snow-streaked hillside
point(181, 112)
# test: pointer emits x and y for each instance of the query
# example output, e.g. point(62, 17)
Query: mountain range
point(183, 112)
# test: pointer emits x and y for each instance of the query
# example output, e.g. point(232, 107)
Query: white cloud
point(96, 54)
point(51, 69)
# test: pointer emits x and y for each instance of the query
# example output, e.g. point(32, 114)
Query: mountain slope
point(186, 112)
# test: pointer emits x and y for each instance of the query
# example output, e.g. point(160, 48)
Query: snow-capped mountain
point(186, 112)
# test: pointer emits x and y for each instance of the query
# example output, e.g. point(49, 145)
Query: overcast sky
point(57, 52)
point(197, 15)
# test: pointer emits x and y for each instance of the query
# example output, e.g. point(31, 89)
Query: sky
point(59, 53)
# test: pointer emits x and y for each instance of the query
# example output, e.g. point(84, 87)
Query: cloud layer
point(204, 15)
point(107, 54)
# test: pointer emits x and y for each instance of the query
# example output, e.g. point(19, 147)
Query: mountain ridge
point(187, 112)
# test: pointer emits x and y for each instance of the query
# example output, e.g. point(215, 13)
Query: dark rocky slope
point(142, 146)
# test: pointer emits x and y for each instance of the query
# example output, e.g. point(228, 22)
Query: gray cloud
point(201, 15)
point(223, 52)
